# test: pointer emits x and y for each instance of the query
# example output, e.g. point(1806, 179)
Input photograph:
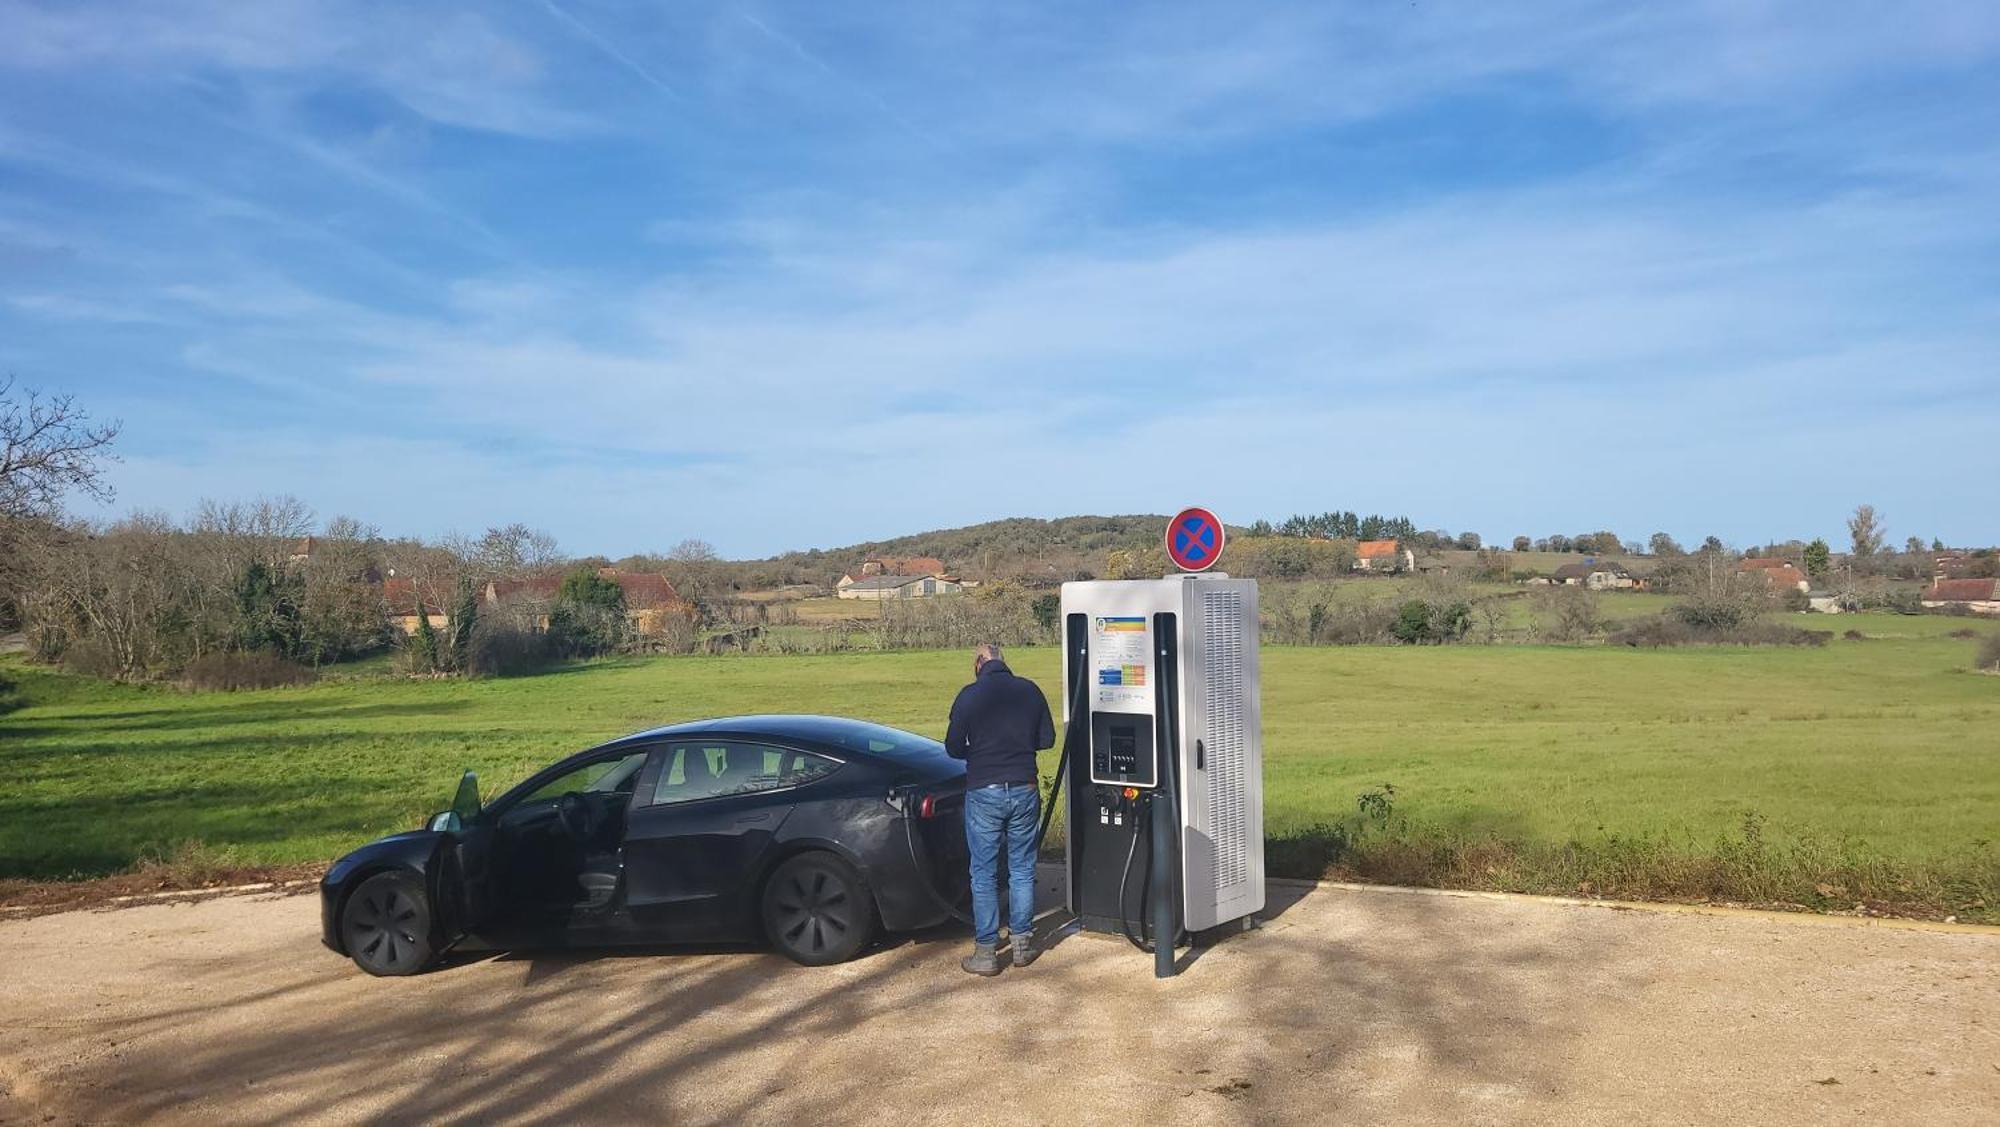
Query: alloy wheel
point(382, 927)
point(814, 910)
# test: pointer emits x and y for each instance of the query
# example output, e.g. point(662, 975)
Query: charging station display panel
point(1122, 680)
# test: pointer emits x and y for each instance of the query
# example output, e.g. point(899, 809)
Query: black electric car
point(810, 832)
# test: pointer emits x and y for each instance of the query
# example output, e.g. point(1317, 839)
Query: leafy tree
point(1559, 543)
point(1523, 544)
point(1261, 528)
point(1663, 544)
point(1937, 545)
point(424, 643)
point(1413, 622)
point(464, 619)
point(1046, 609)
point(1468, 541)
point(1865, 530)
point(1713, 546)
point(1914, 545)
point(585, 588)
point(1420, 621)
point(1818, 559)
point(589, 614)
point(1288, 561)
point(267, 610)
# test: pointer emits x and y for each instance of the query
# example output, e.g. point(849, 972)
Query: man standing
point(997, 724)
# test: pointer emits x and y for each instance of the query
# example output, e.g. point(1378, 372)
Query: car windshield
point(878, 739)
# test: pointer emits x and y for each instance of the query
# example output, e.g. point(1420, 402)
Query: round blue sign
point(1194, 539)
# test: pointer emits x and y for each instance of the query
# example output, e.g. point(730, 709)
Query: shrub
point(1989, 653)
point(230, 671)
point(1420, 622)
point(1567, 614)
point(1674, 630)
point(499, 648)
point(1855, 636)
point(10, 694)
point(1964, 632)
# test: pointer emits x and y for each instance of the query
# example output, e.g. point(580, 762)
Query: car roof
point(795, 726)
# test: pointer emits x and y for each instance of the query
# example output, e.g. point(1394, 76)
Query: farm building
point(1598, 575)
point(649, 598)
point(400, 604)
point(878, 587)
point(1975, 595)
point(1383, 555)
point(1782, 575)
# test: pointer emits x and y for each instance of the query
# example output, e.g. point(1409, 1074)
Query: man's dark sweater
point(997, 724)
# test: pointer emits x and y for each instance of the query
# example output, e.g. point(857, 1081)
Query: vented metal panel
point(1223, 736)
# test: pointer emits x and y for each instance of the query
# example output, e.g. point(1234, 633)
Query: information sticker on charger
point(1121, 660)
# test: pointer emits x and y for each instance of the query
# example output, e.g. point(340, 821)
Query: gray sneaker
point(984, 961)
point(1024, 949)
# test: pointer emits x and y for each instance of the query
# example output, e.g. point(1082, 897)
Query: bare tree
point(692, 550)
point(513, 551)
point(1866, 531)
point(48, 447)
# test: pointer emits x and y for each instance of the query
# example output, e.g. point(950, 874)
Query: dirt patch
point(23, 898)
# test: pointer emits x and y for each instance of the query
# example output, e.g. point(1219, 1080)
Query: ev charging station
point(1163, 753)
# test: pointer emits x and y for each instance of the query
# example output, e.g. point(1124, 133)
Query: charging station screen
point(1120, 648)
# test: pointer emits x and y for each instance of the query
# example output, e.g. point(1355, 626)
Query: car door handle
point(1200, 756)
point(751, 819)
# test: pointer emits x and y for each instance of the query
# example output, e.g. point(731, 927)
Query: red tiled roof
point(1376, 549)
point(1961, 591)
point(1758, 563)
point(1780, 574)
point(645, 589)
point(540, 587)
point(400, 595)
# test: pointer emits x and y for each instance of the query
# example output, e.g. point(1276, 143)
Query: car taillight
point(928, 807)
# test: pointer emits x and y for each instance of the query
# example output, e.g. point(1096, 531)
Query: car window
point(876, 739)
point(718, 768)
point(603, 775)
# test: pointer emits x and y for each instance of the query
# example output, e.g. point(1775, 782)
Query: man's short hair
point(987, 651)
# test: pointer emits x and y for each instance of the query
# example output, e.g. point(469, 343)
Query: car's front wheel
point(386, 925)
point(817, 910)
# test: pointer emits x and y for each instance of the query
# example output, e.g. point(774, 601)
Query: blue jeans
point(989, 811)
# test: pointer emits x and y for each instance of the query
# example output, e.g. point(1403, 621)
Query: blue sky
point(794, 275)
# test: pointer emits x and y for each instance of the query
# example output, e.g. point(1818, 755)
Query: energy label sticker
point(1120, 655)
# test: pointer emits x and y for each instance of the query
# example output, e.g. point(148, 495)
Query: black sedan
point(812, 832)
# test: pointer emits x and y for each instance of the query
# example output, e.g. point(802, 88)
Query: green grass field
point(1861, 770)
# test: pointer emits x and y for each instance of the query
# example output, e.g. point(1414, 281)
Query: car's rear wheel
point(386, 925)
point(817, 910)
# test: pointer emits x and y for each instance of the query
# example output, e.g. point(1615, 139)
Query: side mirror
point(445, 821)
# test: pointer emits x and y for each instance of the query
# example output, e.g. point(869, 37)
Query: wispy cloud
point(1427, 259)
point(610, 50)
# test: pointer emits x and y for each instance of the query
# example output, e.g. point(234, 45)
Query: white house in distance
point(897, 587)
point(1598, 575)
point(893, 577)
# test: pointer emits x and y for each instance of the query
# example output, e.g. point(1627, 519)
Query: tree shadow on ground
point(1275, 1024)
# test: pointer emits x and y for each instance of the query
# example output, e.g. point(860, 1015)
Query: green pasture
point(1865, 766)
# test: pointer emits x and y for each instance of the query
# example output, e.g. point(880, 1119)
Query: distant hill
point(1016, 546)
